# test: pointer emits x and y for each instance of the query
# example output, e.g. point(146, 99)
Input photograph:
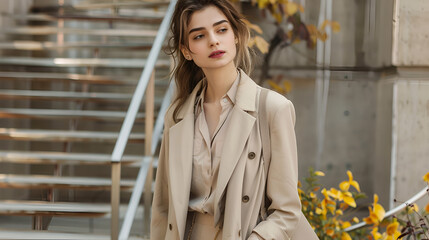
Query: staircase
point(69, 71)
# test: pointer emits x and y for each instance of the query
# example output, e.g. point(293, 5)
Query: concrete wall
point(357, 100)
point(411, 34)
point(411, 134)
point(377, 108)
point(410, 130)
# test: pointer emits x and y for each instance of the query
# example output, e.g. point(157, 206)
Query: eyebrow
point(202, 28)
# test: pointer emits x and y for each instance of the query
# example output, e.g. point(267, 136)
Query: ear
point(186, 53)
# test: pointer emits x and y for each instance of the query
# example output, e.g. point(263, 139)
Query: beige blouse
point(207, 152)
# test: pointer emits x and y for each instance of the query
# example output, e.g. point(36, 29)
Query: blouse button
point(170, 226)
point(245, 199)
point(251, 155)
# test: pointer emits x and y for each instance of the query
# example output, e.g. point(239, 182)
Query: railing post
point(149, 121)
point(114, 199)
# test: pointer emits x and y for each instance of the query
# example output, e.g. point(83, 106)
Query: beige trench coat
point(241, 178)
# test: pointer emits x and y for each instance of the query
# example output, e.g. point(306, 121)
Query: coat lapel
point(180, 160)
point(240, 127)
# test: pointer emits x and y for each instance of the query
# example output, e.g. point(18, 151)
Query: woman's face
point(211, 39)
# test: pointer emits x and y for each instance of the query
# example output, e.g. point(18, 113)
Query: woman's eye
point(198, 36)
point(223, 30)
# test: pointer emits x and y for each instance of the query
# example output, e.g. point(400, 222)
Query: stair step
point(93, 79)
point(71, 96)
point(82, 62)
point(35, 45)
point(41, 157)
point(66, 114)
point(42, 181)
point(73, 16)
point(63, 95)
point(83, 78)
point(64, 135)
point(52, 235)
point(81, 96)
point(120, 4)
point(17, 207)
point(47, 30)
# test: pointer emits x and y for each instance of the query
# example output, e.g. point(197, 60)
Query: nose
point(213, 41)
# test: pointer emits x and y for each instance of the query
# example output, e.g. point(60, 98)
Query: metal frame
point(144, 168)
point(147, 75)
point(413, 199)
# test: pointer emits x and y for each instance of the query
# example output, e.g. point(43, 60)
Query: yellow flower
point(427, 208)
point(330, 232)
point(413, 208)
point(321, 174)
point(348, 198)
point(312, 195)
point(345, 236)
point(355, 219)
point(345, 224)
point(344, 206)
point(263, 3)
point(339, 212)
point(334, 193)
point(376, 213)
point(330, 205)
point(426, 177)
point(372, 218)
point(375, 233)
point(392, 230)
point(325, 193)
point(291, 8)
point(300, 192)
point(346, 184)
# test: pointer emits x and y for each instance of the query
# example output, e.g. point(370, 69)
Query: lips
point(216, 54)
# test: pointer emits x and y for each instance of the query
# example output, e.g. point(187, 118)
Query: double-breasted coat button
point(251, 155)
point(170, 226)
point(245, 198)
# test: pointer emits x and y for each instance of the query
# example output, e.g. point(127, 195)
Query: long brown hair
point(186, 73)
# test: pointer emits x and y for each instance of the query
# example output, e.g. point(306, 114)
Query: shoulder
point(276, 102)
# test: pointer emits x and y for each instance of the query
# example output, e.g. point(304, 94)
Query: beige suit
point(241, 179)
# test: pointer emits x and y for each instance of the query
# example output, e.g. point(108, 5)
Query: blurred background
point(357, 72)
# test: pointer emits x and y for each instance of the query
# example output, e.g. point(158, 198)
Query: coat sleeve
point(285, 208)
point(160, 204)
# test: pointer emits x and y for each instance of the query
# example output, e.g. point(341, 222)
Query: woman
point(210, 182)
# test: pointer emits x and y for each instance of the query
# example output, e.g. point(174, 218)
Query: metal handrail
point(141, 177)
point(127, 125)
point(394, 210)
point(122, 140)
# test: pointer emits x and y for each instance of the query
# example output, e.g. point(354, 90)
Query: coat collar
point(245, 97)
point(181, 148)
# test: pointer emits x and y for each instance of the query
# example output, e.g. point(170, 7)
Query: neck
point(219, 81)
